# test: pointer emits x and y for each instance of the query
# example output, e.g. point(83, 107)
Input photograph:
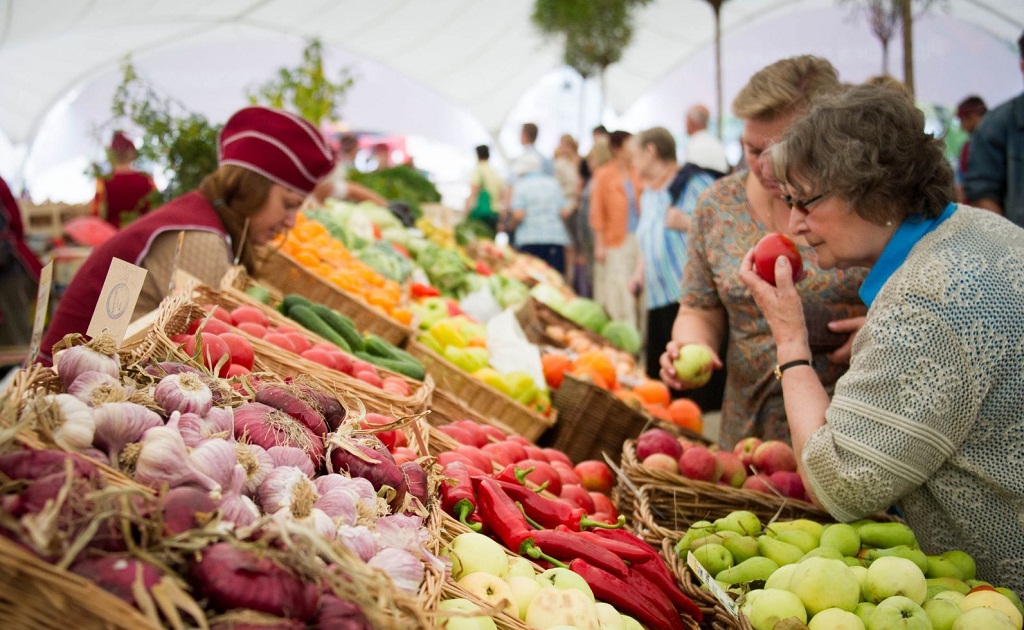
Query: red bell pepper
point(647, 604)
point(419, 290)
point(457, 496)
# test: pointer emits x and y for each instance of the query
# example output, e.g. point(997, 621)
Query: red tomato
point(215, 352)
point(768, 250)
point(219, 313)
point(240, 349)
point(279, 340)
point(249, 314)
point(255, 330)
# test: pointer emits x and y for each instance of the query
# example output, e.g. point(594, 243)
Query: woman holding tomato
point(928, 415)
point(731, 216)
point(269, 161)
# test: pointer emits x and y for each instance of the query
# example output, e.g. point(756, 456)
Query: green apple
point(553, 606)
point(942, 612)
point(982, 619)
point(694, 364)
point(898, 613)
point(767, 607)
point(841, 537)
point(523, 591)
point(742, 522)
point(490, 589)
point(963, 560)
point(892, 575)
point(630, 623)
point(781, 577)
point(463, 622)
point(822, 583)
point(564, 579)
point(994, 600)
point(608, 618)
point(864, 610)
point(713, 557)
point(519, 566)
point(472, 553)
point(835, 619)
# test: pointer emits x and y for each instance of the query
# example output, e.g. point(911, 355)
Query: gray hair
point(866, 145)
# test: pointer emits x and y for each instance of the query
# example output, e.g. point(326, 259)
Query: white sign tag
point(42, 306)
point(116, 303)
point(709, 581)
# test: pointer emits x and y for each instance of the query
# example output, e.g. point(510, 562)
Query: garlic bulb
point(404, 569)
point(121, 423)
point(359, 540)
point(75, 361)
point(183, 392)
point(216, 459)
point(221, 421)
point(75, 432)
point(316, 520)
point(95, 388)
point(288, 488)
point(257, 464)
point(292, 456)
point(235, 507)
point(164, 459)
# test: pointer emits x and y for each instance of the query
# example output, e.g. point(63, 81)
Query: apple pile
point(557, 597)
point(773, 461)
point(861, 575)
point(483, 449)
point(252, 321)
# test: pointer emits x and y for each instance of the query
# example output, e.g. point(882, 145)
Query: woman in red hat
point(269, 161)
point(123, 195)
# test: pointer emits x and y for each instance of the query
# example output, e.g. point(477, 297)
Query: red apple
point(604, 505)
point(395, 385)
point(316, 355)
point(475, 430)
point(657, 441)
point(745, 449)
point(535, 452)
point(518, 439)
point(595, 475)
point(700, 464)
point(661, 461)
point(555, 455)
point(788, 483)
point(758, 483)
point(768, 249)
point(286, 329)
point(493, 433)
point(480, 459)
point(239, 348)
point(299, 341)
point(403, 454)
point(236, 370)
point(253, 329)
point(343, 362)
point(214, 352)
point(773, 456)
point(578, 496)
point(250, 314)
point(542, 473)
point(566, 474)
point(733, 473)
point(447, 457)
point(504, 453)
point(390, 437)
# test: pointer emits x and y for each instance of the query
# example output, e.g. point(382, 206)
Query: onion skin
point(333, 411)
point(265, 426)
point(380, 471)
point(416, 481)
point(283, 400)
point(233, 578)
point(116, 575)
point(29, 464)
point(180, 507)
point(338, 614)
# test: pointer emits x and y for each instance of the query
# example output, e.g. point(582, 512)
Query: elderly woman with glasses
point(929, 414)
point(730, 217)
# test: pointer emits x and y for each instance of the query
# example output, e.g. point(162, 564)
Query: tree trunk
point(583, 108)
point(717, 6)
point(885, 56)
point(600, 100)
point(908, 45)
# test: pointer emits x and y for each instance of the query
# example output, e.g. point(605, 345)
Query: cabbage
point(623, 336)
point(585, 313)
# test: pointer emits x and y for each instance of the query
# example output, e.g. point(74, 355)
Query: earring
point(888, 224)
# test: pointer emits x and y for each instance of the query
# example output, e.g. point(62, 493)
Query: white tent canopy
point(460, 72)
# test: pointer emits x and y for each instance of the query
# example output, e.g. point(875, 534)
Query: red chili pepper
point(401, 250)
point(550, 512)
point(420, 290)
point(567, 546)
point(653, 569)
point(500, 513)
point(627, 598)
point(457, 496)
point(483, 269)
point(627, 552)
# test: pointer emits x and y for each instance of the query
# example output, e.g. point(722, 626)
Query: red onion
point(30, 464)
point(118, 575)
point(181, 506)
point(338, 614)
point(233, 578)
point(265, 426)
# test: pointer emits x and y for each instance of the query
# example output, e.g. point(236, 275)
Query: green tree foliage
point(182, 142)
point(595, 32)
point(307, 89)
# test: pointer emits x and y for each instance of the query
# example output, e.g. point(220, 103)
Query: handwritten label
point(709, 581)
point(116, 303)
point(42, 307)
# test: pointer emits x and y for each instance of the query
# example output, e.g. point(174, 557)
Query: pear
point(854, 561)
point(900, 551)
point(938, 585)
point(887, 535)
point(963, 560)
point(802, 524)
point(713, 539)
point(798, 538)
point(756, 568)
point(1012, 596)
point(781, 552)
point(823, 552)
point(842, 537)
point(781, 577)
point(713, 557)
point(742, 547)
point(939, 567)
point(697, 530)
point(864, 610)
point(742, 522)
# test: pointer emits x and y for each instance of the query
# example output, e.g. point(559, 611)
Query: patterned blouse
point(721, 233)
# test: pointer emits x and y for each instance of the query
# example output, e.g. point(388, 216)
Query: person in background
point(269, 161)
point(995, 166)
point(537, 213)
point(702, 148)
point(381, 157)
point(598, 134)
point(614, 214)
point(579, 227)
point(123, 195)
point(928, 415)
point(486, 190)
point(19, 279)
point(969, 112)
point(732, 215)
point(336, 183)
point(659, 267)
point(566, 165)
point(528, 139)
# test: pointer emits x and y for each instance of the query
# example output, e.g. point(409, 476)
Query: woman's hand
point(668, 370)
point(780, 305)
point(850, 325)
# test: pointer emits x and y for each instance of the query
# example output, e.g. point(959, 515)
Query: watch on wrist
point(779, 369)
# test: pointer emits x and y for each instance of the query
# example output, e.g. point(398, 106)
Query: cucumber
point(341, 325)
point(291, 300)
point(412, 370)
point(383, 348)
point(311, 321)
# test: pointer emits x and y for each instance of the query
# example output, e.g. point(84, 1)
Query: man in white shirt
point(702, 148)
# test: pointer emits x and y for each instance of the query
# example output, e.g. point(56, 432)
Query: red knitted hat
point(120, 143)
point(281, 146)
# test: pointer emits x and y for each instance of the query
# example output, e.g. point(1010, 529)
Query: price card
point(42, 307)
point(709, 581)
point(116, 303)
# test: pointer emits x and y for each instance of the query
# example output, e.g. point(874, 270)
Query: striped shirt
point(540, 197)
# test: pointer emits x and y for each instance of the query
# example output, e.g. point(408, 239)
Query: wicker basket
point(716, 615)
point(535, 317)
point(283, 272)
point(481, 397)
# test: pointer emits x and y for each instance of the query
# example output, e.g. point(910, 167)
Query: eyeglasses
point(803, 205)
